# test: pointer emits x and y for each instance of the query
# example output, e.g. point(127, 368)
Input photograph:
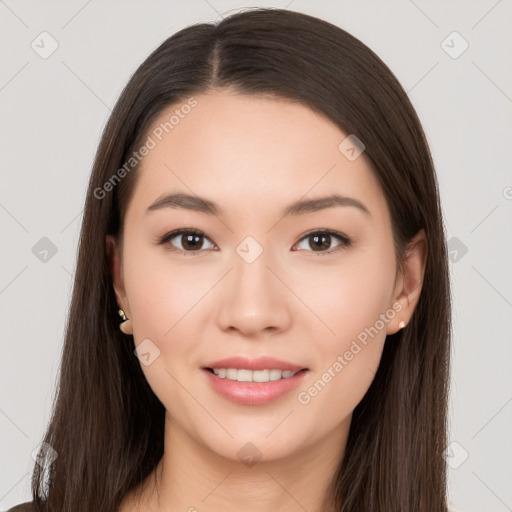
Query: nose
point(254, 299)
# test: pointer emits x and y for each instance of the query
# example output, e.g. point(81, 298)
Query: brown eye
point(191, 242)
point(186, 240)
point(320, 241)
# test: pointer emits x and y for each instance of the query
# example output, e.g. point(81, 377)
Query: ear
point(409, 284)
point(114, 260)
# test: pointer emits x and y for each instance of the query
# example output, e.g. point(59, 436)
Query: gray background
point(53, 110)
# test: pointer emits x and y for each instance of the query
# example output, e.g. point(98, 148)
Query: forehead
point(238, 149)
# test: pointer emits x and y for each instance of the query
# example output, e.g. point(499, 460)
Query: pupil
point(189, 241)
point(324, 237)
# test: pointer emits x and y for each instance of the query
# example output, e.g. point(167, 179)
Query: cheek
point(162, 290)
point(347, 298)
point(162, 295)
point(354, 304)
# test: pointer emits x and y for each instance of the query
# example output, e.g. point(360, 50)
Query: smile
point(243, 375)
point(244, 388)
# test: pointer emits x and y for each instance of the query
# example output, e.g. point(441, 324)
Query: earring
point(126, 325)
point(401, 325)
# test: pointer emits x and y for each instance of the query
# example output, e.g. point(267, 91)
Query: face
point(312, 288)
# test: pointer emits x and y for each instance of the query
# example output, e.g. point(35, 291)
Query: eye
point(189, 241)
point(321, 239)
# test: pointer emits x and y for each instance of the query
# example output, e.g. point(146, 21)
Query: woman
point(264, 216)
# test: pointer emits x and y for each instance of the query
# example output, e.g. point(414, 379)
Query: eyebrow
point(200, 204)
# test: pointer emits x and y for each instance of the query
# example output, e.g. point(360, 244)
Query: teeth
point(231, 373)
point(261, 375)
point(242, 375)
point(275, 374)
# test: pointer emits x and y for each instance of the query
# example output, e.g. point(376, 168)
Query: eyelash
point(344, 241)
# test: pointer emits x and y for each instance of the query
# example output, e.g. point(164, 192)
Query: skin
point(254, 156)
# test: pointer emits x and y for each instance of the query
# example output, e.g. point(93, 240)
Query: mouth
point(246, 375)
point(253, 381)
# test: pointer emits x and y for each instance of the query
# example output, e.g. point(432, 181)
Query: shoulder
point(23, 507)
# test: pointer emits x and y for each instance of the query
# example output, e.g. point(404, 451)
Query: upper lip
point(259, 363)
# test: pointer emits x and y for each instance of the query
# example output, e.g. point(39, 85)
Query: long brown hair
point(107, 425)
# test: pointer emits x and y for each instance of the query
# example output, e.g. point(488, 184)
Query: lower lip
point(254, 393)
